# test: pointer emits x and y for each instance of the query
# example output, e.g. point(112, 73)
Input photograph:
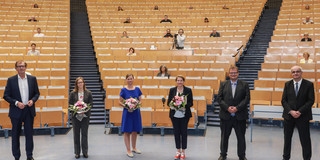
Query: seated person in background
point(307, 21)
point(38, 34)
point(131, 52)
point(163, 71)
point(124, 34)
point(35, 5)
point(206, 20)
point(225, 7)
point(190, 7)
point(306, 58)
point(127, 20)
point(156, 7)
point(120, 8)
point(307, 7)
point(32, 19)
point(166, 20)
point(214, 33)
point(306, 38)
point(33, 51)
point(168, 35)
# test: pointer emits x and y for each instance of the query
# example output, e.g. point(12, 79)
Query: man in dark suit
point(21, 93)
point(233, 98)
point(297, 101)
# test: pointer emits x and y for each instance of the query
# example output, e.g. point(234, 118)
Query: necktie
point(297, 89)
point(233, 89)
point(233, 93)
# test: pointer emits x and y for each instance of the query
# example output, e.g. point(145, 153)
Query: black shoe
point(85, 155)
point(30, 158)
point(222, 158)
point(243, 158)
point(16, 158)
point(77, 156)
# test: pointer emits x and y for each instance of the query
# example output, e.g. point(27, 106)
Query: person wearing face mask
point(180, 118)
point(131, 122)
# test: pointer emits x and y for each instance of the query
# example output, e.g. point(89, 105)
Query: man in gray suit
point(233, 98)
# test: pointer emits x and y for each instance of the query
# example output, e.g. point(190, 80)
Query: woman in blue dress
point(131, 120)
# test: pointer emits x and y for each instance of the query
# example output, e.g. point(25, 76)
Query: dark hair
point(128, 75)
point(206, 19)
point(234, 67)
point(180, 76)
point(164, 67)
point(132, 49)
point(35, 5)
point(76, 89)
point(38, 28)
point(33, 44)
point(20, 61)
point(181, 30)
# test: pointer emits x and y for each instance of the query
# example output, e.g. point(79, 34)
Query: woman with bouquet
point(130, 99)
point(80, 102)
point(180, 100)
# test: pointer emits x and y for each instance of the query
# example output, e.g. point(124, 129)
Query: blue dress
point(131, 121)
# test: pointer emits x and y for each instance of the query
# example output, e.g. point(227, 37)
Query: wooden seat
point(259, 98)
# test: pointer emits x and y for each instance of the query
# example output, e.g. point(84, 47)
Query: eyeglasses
point(293, 72)
point(80, 82)
point(233, 73)
point(21, 66)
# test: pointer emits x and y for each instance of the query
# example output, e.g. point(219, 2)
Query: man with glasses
point(297, 101)
point(21, 93)
point(233, 98)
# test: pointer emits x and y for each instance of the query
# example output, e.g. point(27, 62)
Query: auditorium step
point(83, 62)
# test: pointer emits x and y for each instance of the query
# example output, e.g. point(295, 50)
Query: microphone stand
point(163, 101)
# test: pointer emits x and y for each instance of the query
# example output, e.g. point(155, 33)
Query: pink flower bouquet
point(131, 104)
point(79, 107)
point(178, 103)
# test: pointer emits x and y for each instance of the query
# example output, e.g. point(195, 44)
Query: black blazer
point(241, 100)
point(303, 102)
point(87, 98)
point(12, 94)
point(165, 75)
point(186, 91)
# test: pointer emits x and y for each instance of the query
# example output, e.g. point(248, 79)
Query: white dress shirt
point(24, 89)
point(38, 35)
point(35, 53)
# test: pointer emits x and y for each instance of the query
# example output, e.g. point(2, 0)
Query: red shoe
point(183, 156)
point(177, 156)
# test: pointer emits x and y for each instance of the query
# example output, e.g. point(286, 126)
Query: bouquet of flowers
point(79, 107)
point(178, 102)
point(131, 104)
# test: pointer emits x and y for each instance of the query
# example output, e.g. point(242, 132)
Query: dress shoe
point(183, 156)
point(30, 158)
point(85, 155)
point(243, 158)
point(77, 156)
point(130, 155)
point(137, 151)
point(16, 158)
point(222, 158)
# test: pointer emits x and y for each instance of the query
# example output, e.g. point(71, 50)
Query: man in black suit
point(233, 98)
point(297, 101)
point(21, 93)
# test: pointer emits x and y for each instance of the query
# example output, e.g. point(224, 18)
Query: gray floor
point(267, 145)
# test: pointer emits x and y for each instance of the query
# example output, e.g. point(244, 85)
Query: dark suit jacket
point(12, 94)
point(166, 75)
point(87, 98)
point(303, 102)
point(186, 91)
point(241, 100)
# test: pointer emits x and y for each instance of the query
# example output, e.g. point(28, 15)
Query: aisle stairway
point(83, 61)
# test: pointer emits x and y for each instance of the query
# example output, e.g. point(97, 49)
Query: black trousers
point(27, 119)
point(80, 127)
point(180, 129)
point(179, 48)
point(240, 129)
point(304, 135)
